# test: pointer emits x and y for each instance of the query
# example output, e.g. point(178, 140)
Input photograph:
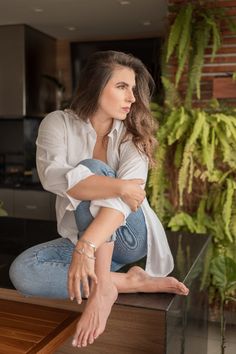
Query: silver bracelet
point(89, 243)
point(81, 252)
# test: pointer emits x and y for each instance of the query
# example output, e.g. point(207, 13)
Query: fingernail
point(74, 343)
point(72, 298)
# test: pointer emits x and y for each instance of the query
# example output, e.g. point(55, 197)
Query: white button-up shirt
point(63, 141)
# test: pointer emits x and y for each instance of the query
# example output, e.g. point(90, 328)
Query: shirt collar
point(89, 128)
point(115, 126)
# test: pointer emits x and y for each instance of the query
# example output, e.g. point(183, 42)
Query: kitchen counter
point(24, 186)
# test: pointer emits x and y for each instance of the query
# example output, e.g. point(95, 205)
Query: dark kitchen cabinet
point(16, 235)
point(27, 58)
point(6, 196)
point(28, 204)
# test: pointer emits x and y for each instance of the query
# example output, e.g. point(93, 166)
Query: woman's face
point(117, 96)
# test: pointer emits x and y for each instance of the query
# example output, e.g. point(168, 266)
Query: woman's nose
point(131, 97)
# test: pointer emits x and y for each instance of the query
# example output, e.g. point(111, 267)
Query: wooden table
point(28, 328)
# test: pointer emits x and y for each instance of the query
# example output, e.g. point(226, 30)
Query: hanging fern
point(171, 94)
point(185, 177)
point(158, 183)
point(184, 42)
point(177, 30)
point(195, 28)
point(193, 187)
point(200, 39)
point(203, 139)
point(227, 208)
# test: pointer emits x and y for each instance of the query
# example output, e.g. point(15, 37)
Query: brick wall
point(223, 65)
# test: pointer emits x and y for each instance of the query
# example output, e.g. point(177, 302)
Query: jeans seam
point(36, 256)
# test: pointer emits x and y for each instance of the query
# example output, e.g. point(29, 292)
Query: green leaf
point(227, 208)
point(223, 270)
point(180, 220)
point(175, 32)
point(199, 41)
point(184, 43)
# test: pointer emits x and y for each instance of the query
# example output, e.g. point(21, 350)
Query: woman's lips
point(126, 109)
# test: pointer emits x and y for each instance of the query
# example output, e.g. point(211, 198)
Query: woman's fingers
point(70, 287)
point(77, 290)
point(93, 277)
point(85, 285)
point(138, 180)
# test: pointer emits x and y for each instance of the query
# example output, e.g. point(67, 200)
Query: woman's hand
point(81, 269)
point(132, 193)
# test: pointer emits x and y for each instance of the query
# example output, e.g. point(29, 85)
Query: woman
point(95, 157)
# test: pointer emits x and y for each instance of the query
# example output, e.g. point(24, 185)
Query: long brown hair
point(139, 122)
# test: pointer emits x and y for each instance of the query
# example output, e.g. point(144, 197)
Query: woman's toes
point(74, 343)
point(80, 338)
point(97, 333)
point(184, 290)
point(91, 339)
point(84, 340)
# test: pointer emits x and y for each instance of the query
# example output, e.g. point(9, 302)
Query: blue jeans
point(42, 270)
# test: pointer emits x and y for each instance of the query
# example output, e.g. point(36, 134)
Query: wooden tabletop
point(29, 328)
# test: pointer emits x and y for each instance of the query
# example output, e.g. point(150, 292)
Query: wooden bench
point(149, 323)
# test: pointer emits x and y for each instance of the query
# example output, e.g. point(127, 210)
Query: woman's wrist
point(86, 247)
point(82, 251)
point(120, 184)
point(89, 243)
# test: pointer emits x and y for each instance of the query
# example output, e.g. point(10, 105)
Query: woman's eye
point(121, 87)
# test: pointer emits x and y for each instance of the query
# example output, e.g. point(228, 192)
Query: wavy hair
point(139, 122)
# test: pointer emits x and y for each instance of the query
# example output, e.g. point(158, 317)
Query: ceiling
point(82, 20)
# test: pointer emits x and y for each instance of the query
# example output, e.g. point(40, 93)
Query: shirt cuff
point(73, 177)
point(113, 203)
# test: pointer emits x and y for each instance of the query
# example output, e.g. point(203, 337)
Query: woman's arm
point(103, 187)
point(57, 176)
point(132, 165)
point(83, 267)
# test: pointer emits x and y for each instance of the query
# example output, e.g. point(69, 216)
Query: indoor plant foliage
point(193, 186)
point(198, 148)
point(224, 270)
point(196, 26)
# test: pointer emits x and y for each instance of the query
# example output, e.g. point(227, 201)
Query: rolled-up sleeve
point(55, 174)
point(132, 165)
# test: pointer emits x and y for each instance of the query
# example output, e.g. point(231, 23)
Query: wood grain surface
point(29, 328)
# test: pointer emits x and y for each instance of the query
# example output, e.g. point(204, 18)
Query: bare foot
point(142, 282)
point(93, 320)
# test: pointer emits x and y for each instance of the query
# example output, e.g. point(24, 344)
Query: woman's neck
point(101, 126)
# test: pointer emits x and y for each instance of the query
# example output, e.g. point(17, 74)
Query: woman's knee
point(98, 167)
point(20, 272)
